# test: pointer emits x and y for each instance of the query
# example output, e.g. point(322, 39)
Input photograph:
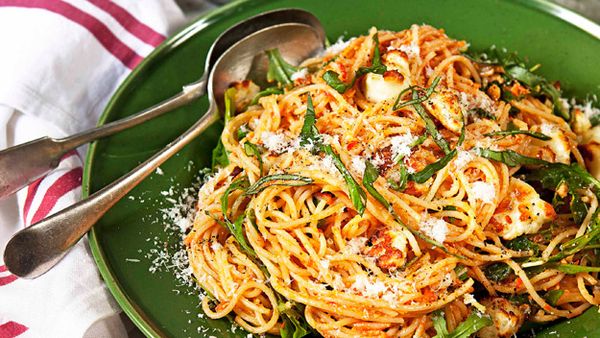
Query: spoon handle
point(33, 251)
point(22, 164)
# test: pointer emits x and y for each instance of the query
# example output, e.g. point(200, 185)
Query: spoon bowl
point(22, 164)
point(33, 251)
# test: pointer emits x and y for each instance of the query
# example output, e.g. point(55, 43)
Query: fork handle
point(22, 164)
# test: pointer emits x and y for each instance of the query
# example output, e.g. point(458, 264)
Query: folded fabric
point(59, 64)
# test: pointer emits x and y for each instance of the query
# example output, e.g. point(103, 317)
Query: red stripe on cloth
point(2, 268)
point(31, 190)
point(7, 280)
point(12, 329)
point(98, 29)
point(129, 22)
point(69, 154)
point(67, 182)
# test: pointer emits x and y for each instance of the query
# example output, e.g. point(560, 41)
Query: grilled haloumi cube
point(377, 88)
point(522, 211)
point(507, 318)
point(444, 106)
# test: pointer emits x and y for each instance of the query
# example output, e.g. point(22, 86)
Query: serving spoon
point(22, 164)
point(34, 250)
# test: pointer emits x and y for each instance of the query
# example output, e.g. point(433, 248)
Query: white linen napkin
point(60, 60)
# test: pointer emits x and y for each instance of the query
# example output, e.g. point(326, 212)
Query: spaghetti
point(398, 188)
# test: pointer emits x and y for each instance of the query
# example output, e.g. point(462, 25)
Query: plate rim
point(199, 24)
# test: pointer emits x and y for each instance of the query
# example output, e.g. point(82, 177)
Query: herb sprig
point(514, 130)
point(475, 322)
point(220, 158)
point(310, 135)
point(279, 70)
point(377, 67)
point(370, 175)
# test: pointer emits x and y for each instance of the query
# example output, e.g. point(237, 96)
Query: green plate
point(564, 43)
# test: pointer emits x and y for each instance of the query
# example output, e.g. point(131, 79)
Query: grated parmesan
point(401, 145)
point(337, 47)
point(434, 228)
point(463, 158)
point(358, 164)
point(328, 165)
point(274, 142)
point(483, 191)
point(378, 161)
point(368, 288)
point(588, 110)
point(300, 74)
point(355, 245)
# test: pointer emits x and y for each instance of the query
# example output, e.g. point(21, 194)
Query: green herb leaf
point(559, 109)
point(251, 149)
point(515, 70)
point(497, 272)
point(369, 177)
point(514, 130)
point(482, 114)
point(416, 99)
point(538, 84)
point(310, 133)
point(237, 230)
point(553, 296)
point(357, 194)
point(553, 175)
point(461, 272)
point(400, 185)
point(494, 56)
point(242, 132)
point(266, 92)
point(572, 269)
point(220, 157)
point(518, 72)
point(577, 244)
point(475, 322)
point(294, 323)
point(430, 125)
point(279, 69)
point(519, 299)
point(423, 175)
point(439, 324)
point(595, 120)
point(333, 80)
point(377, 66)
point(290, 180)
point(508, 157)
point(238, 184)
point(522, 243)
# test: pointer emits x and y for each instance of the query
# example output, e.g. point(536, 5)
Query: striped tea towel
point(60, 60)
